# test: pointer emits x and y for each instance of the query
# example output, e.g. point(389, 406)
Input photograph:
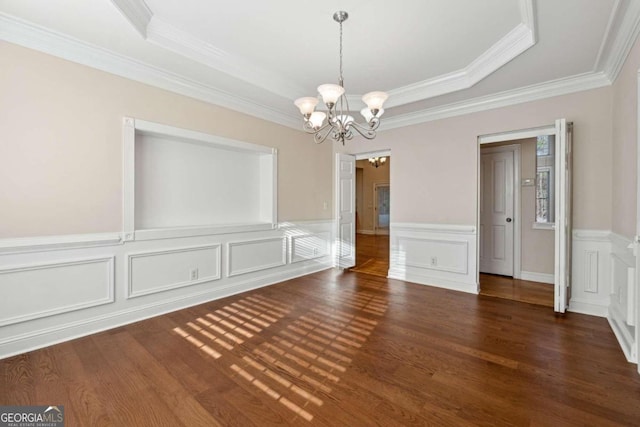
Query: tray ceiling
point(435, 57)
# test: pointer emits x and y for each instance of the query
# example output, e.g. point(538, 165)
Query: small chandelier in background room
point(377, 161)
point(339, 124)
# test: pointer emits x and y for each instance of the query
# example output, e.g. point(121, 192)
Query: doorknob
point(509, 220)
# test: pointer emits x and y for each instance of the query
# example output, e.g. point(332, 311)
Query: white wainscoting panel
point(54, 293)
point(434, 254)
point(622, 314)
point(39, 290)
point(590, 266)
point(309, 246)
point(247, 256)
point(157, 271)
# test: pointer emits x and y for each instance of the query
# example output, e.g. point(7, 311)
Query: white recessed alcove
point(180, 183)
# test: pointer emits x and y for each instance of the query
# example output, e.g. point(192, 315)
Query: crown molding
point(137, 13)
point(35, 37)
point(517, 41)
point(171, 38)
point(156, 31)
point(528, 16)
point(626, 36)
point(535, 92)
point(32, 36)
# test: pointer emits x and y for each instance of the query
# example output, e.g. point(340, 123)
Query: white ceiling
point(436, 58)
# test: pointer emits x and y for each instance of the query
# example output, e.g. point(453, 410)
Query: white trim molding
point(627, 21)
point(260, 257)
point(60, 293)
point(156, 271)
point(48, 243)
point(622, 31)
point(38, 290)
point(136, 12)
point(513, 44)
point(27, 34)
point(438, 255)
point(183, 43)
point(622, 306)
point(537, 277)
point(590, 268)
point(535, 92)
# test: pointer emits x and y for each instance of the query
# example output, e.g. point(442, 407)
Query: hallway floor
point(372, 257)
point(372, 254)
point(518, 290)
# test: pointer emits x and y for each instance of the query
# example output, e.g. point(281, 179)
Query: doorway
point(524, 212)
point(373, 203)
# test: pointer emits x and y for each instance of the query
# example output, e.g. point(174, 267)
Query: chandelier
point(377, 161)
point(336, 121)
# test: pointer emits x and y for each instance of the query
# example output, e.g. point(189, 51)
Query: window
point(545, 190)
point(542, 146)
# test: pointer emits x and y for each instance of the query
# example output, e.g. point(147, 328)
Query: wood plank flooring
point(515, 289)
point(338, 348)
point(372, 254)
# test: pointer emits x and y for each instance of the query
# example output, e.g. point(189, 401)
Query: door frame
point(636, 239)
point(378, 153)
point(517, 188)
point(503, 137)
point(336, 178)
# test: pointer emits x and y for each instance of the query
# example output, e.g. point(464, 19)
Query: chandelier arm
point(374, 123)
point(319, 137)
point(366, 132)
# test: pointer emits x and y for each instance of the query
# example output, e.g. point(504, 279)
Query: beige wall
point(371, 177)
point(61, 146)
point(435, 173)
point(625, 134)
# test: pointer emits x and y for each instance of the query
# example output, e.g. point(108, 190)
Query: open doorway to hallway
point(373, 198)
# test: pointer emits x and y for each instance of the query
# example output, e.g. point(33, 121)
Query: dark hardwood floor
point(372, 254)
point(338, 348)
point(519, 290)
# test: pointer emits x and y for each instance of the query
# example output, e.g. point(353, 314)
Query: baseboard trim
point(537, 277)
point(584, 307)
point(625, 341)
point(470, 288)
point(45, 337)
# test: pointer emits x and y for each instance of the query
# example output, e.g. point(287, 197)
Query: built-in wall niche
point(180, 183)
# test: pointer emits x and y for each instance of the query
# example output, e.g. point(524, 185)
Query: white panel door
point(562, 280)
point(346, 210)
point(496, 213)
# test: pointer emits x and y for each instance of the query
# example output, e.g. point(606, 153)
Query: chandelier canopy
point(336, 121)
